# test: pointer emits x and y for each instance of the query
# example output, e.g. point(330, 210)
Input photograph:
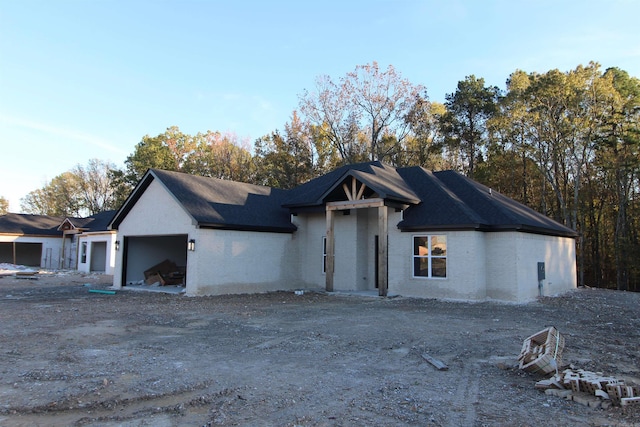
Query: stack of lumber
point(26, 274)
point(574, 383)
point(542, 352)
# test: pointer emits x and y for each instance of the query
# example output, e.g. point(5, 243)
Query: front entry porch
point(362, 245)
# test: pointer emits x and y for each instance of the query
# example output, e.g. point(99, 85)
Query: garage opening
point(155, 260)
point(6, 252)
point(20, 253)
point(98, 257)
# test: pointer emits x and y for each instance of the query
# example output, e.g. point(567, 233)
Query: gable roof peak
point(217, 203)
point(380, 178)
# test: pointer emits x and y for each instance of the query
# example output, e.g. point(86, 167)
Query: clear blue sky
point(88, 79)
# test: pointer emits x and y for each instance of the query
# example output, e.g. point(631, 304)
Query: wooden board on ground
point(435, 362)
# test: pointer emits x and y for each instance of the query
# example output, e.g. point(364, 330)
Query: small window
point(324, 254)
point(430, 256)
point(83, 253)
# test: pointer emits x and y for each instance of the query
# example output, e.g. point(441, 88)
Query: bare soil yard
point(69, 357)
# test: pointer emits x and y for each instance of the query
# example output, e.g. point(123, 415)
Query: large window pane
point(438, 267)
point(421, 246)
point(438, 245)
point(421, 267)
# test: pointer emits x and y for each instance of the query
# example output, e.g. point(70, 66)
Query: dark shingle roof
point(443, 200)
point(24, 224)
point(95, 222)
point(452, 201)
point(380, 178)
point(217, 203)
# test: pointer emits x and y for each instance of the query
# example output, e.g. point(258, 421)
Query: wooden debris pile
point(165, 273)
point(590, 388)
point(542, 352)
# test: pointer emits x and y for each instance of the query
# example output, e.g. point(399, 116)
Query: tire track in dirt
point(189, 406)
point(465, 399)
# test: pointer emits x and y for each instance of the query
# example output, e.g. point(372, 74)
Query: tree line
point(566, 144)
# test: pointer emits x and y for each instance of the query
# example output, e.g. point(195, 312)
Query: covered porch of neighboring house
point(69, 259)
point(87, 245)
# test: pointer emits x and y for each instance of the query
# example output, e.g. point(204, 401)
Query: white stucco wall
point(108, 238)
point(466, 267)
point(512, 262)
point(345, 275)
point(224, 261)
point(559, 256)
point(51, 255)
point(232, 262)
point(503, 261)
point(156, 212)
point(307, 243)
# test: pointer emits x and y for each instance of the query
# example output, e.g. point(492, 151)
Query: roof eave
point(441, 227)
point(244, 227)
point(490, 228)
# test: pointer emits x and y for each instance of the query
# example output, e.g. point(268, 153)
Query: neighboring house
point(92, 245)
point(363, 227)
point(31, 240)
point(55, 242)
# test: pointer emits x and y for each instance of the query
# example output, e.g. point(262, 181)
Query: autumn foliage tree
point(4, 205)
point(212, 154)
point(96, 191)
point(59, 197)
point(219, 155)
point(286, 160)
point(165, 151)
point(423, 145)
point(82, 191)
point(363, 114)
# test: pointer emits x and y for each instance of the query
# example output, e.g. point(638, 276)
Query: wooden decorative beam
point(383, 269)
point(346, 191)
point(330, 242)
point(355, 204)
point(361, 191)
point(353, 193)
point(354, 184)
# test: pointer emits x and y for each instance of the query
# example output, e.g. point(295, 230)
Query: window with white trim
point(430, 256)
point(83, 253)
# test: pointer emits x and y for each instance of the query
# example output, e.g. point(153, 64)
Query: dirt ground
point(70, 357)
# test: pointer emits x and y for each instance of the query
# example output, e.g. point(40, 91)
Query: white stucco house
point(54, 242)
point(31, 240)
point(363, 227)
point(91, 246)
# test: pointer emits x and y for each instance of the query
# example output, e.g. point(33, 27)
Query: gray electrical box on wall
point(541, 271)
